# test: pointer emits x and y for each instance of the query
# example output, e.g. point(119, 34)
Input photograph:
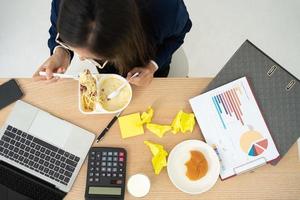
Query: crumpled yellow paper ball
point(159, 159)
point(183, 122)
point(187, 122)
point(157, 129)
point(147, 116)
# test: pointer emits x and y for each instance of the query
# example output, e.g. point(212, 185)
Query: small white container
point(138, 185)
point(99, 108)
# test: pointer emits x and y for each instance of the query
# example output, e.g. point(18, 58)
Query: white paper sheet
point(231, 121)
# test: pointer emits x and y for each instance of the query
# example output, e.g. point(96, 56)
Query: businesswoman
point(117, 36)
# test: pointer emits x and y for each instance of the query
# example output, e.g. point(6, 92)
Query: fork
point(60, 75)
point(118, 90)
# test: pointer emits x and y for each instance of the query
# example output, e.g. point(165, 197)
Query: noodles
point(94, 90)
point(88, 91)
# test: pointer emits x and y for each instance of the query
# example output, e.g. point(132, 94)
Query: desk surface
point(167, 96)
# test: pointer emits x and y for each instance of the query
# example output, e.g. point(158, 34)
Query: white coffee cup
point(138, 185)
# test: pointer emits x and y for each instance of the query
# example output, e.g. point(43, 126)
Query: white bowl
point(99, 108)
point(176, 168)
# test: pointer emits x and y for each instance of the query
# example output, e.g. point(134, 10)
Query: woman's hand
point(145, 76)
point(57, 63)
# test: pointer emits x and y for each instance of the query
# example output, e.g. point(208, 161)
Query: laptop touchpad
point(50, 129)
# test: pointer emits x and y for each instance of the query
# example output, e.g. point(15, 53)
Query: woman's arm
point(53, 30)
point(170, 45)
point(170, 22)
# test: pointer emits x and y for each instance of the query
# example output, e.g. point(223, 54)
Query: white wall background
point(220, 27)
point(23, 34)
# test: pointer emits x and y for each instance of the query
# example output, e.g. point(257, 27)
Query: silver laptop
point(44, 146)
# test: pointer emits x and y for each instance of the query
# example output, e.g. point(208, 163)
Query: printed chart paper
point(231, 121)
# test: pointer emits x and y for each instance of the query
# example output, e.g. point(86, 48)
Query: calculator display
point(105, 190)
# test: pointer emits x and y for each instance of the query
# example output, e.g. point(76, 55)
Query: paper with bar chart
point(230, 119)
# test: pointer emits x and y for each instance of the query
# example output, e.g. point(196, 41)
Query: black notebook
point(276, 90)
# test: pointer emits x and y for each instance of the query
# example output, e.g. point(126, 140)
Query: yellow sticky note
point(154, 148)
point(187, 122)
point(159, 159)
point(131, 125)
point(176, 123)
point(159, 162)
point(147, 116)
point(183, 122)
point(157, 129)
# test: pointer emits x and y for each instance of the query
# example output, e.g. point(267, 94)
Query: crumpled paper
point(159, 159)
point(147, 116)
point(158, 129)
point(183, 122)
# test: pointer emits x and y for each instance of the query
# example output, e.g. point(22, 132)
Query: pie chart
point(253, 143)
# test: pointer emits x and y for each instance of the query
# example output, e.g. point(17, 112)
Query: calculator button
point(97, 174)
point(91, 174)
point(121, 159)
point(114, 175)
point(103, 169)
point(92, 163)
point(110, 153)
point(92, 158)
point(118, 182)
point(96, 179)
point(121, 154)
point(103, 174)
point(108, 174)
point(92, 169)
point(104, 153)
point(103, 159)
point(91, 180)
point(121, 164)
point(109, 169)
point(115, 164)
point(115, 159)
point(97, 169)
point(114, 169)
point(109, 164)
point(103, 164)
point(98, 156)
point(120, 175)
point(115, 153)
point(120, 170)
point(93, 153)
point(109, 158)
point(97, 163)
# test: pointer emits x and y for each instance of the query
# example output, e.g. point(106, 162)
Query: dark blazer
point(166, 22)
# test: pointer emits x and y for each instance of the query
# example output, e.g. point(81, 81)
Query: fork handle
point(59, 75)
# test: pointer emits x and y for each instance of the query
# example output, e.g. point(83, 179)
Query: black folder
point(276, 90)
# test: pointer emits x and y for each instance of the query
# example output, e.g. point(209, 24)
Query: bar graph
point(228, 103)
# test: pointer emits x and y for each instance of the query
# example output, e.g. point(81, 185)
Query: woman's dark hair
point(111, 29)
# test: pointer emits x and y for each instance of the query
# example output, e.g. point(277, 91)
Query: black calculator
point(106, 174)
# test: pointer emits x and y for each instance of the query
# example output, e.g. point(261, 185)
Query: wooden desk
point(168, 96)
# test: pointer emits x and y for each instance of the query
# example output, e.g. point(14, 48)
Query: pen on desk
point(102, 134)
point(218, 154)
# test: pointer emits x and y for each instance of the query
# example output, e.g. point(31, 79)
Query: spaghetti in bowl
point(94, 89)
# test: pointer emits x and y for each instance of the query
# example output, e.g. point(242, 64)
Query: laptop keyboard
point(38, 155)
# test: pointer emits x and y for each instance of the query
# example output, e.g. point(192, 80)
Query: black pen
point(102, 134)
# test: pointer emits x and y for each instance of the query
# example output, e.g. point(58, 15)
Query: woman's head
point(105, 29)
